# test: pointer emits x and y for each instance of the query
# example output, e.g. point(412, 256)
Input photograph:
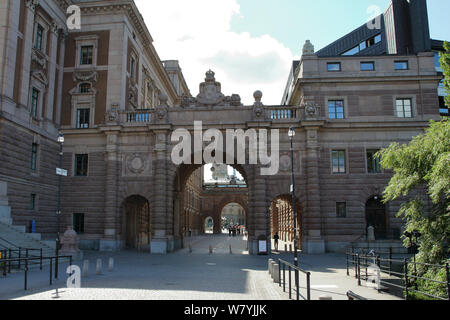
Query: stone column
point(5, 209)
point(259, 210)
point(52, 94)
point(110, 242)
point(159, 243)
point(313, 220)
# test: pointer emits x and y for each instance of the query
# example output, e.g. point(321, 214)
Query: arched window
point(84, 88)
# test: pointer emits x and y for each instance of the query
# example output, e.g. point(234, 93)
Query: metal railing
point(20, 253)
point(398, 268)
point(292, 268)
point(353, 296)
point(26, 262)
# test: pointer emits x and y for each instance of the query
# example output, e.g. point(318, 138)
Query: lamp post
point(414, 235)
point(294, 208)
point(58, 208)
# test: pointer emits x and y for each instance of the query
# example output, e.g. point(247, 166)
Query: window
point(338, 161)
point(83, 118)
point(404, 108)
point(34, 151)
point(437, 62)
point(86, 55)
point(373, 162)
point(333, 66)
point(443, 110)
point(336, 109)
point(341, 209)
point(401, 65)
point(78, 222)
point(362, 46)
point(367, 66)
point(39, 37)
point(33, 202)
point(34, 102)
point(351, 52)
point(84, 88)
point(81, 165)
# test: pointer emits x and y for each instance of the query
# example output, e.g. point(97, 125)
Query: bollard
point(190, 248)
point(285, 247)
point(269, 265)
point(272, 268)
point(85, 268)
point(111, 265)
point(290, 248)
point(210, 249)
point(99, 267)
point(231, 250)
point(276, 273)
point(325, 298)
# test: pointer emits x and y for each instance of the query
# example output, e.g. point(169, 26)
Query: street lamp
point(291, 135)
point(58, 210)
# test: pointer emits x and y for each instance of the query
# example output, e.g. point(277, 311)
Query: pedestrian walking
point(276, 237)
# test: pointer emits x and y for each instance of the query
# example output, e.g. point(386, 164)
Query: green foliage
point(424, 164)
point(430, 287)
point(445, 65)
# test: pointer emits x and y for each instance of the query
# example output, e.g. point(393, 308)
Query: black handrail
point(353, 296)
point(296, 270)
point(409, 280)
point(7, 262)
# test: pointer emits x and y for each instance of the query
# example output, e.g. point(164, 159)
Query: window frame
point(338, 211)
point(34, 156)
point(401, 62)
point(87, 120)
point(334, 63)
point(397, 99)
point(339, 151)
point(335, 109)
point(34, 103)
point(375, 162)
point(78, 220)
point(39, 37)
point(372, 63)
point(85, 171)
point(91, 55)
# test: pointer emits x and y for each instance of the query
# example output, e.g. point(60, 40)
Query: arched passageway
point(282, 219)
point(136, 223)
point(376, 217)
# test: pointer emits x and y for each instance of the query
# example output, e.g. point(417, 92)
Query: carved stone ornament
point(210, 91)
point(136, 164)
point(162, 110)
point(308, 48)
point(311, 111)
point(258, 106)
point(85, 76)
point(112, 115)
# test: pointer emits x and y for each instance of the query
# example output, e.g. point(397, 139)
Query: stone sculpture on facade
point(69, 242)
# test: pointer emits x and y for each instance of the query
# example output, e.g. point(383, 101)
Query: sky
point(250, 44)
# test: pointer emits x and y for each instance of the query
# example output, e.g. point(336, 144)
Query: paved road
point(189, 276)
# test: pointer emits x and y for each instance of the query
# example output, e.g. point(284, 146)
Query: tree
point(445, 65)
point(423, 165)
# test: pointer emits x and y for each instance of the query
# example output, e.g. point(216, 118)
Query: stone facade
point(118, 105)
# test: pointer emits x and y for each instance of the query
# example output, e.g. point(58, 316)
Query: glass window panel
point(401, 65)
point(334, 66)
point(367, 66)
point(378, 38)
point(351, 52)
point(86, 55)
point(362, 46)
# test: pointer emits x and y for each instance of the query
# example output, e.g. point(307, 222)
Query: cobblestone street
point(185, 276)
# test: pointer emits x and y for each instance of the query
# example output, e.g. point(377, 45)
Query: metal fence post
point(346, 262)
point(40, 260)
point(279, 273)
point(26, 274)
point(297, 286)
point(51, 269)
point(405, 267)
point(356, 265)
point(9, 260)
point(308, 286)
point(448, 280)
point(20, 252)
point(358, 269)
point(390, 260)
point(56, 267)
point(290, 294)
point(284, 277)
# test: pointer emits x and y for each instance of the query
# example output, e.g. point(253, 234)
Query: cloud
point(198, 34)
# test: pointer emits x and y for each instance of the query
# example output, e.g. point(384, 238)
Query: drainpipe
point(5, 52)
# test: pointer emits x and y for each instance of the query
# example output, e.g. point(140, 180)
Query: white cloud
point(198, 34)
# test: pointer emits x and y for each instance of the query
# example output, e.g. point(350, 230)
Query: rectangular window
point(86, 55)
point(404, 108)
point(33, 202)
point(34, 103)
point(334, 66)
point(336, 109)
point(351, 52)
point(78, 222)
point(373, 162)
point(341, 209)
point(81, 165)
point(34, 152)
point(401, 65)
point(83, 118)
point(367, 66)
point(39, 37)
point(378, 38)
point(338, 161)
